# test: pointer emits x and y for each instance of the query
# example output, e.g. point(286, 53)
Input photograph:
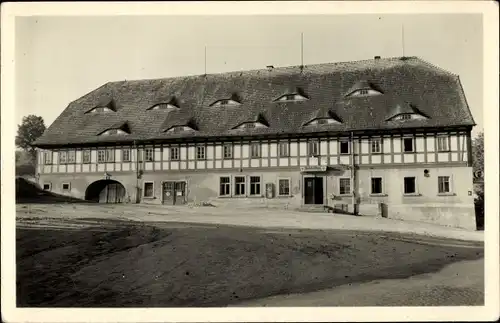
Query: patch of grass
point(143, 265)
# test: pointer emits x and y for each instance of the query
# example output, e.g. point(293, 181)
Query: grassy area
point(183, 265)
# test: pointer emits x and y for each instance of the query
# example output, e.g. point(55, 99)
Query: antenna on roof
point(301, 51)
point(205, 60)
point(403, 38)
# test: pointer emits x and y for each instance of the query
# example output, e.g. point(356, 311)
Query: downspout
point(136, 172)
point(353, 177)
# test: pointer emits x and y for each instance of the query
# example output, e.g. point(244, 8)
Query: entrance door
point(174, 193)
point(313, 190)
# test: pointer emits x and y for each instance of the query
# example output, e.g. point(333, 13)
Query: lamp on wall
point(426, 173)
point(107, 175)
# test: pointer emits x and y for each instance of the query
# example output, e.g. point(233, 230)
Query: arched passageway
point(105, 191)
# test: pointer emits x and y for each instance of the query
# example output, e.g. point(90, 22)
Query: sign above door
point(313, 168)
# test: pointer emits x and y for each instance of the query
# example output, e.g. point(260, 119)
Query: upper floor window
point(344, 147)
point(101, 156)
point(200, 152)
point(228, 151)
point(110, 155)
point(313, 148)
point(408, 145)
point(47, 157)
point(149, 154)
point(63, 157)
point(284, 149)
point(71, 156)
point(126, 155)
point(174, 153)
point(442, 143)
point(376, 146)
point(86, 156)
point(255, 150)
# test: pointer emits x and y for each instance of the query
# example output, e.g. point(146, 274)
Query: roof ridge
point(437, 67)
point(464, 98)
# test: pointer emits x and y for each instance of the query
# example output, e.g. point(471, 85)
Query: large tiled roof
point(434, 92)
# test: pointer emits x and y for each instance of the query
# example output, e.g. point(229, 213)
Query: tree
point(478, 153)
point(478, 166)
point(31, 128)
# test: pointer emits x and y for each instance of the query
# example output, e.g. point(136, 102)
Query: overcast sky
point(59, 59)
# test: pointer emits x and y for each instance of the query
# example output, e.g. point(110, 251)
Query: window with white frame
point(344, 147)
point(225, 186)
point(126, 155)
point(284, 149)
point(254, 185)
point(148, 189)
point(200, 152)
point(283, 187)
point(86, 156)
point(71, 156)
point(444, 184)
point(442, 143)
point(228, 151)
point(377, 185)
point(255, 150)
point(63, 157)
point(110, 155)
point(47, 186)
point(47, 157)
point(239, 185)
point(66, 186)
point(344, 186)
point(410, 186)
point(174, 153)
point(149, 154)
point(376, 146)
point(101, 156)
point(408, 145)
point(313, 148)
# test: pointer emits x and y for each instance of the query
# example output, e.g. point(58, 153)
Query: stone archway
point(105, 191)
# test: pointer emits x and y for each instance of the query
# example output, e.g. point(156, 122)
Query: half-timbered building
point(390, 135)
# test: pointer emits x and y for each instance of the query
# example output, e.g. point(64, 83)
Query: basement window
point(47, 186)
point(66, 187)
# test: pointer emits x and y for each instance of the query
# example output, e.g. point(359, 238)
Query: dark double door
point(313, 190)
point(174, 193)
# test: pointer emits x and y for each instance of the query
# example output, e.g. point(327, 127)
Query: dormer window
point(408, 116)
point(225, 102)
point(163, 106)
point(103, 107)
point(291, 98)
point(113, 132)
point(363, 88)
point(180, 129)
point(117, 129)
point(405, 116)
point(250, 125)
point(100, 109)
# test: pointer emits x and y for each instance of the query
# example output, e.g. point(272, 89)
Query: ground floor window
point(66, 186)
point(376, 185)
point(444, 184)
point(284, 187)
point(225, 186)
point(344, 186)
point(148, 189)
point(239, 183)
point(47, 186)
point(409, 185)
point(254, 185)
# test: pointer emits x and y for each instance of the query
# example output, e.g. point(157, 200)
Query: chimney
point(270, 67)
point(377, 57)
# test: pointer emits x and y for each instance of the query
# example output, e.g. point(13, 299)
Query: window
point(283, 187)
point(86, 156)
point(66, 187)
point(283, 149)
point(63, 157)
point(200, 152)
point(228, 151)
point(313, 148)
point(255, 150)
point(363, 92)
point(344, 186)
point(442, 143)
point(47, 186)
point(376, 185)
point(174, 153)
point(148, 189)
point(408, 145)
point(110, 155)
point(239, 182)
point(126, 155)
point(225, 186)
point(47, 157)
point(375, 146)
point(148, 154)
point(344, 147)
point(444, 184)
point(410, 187)
point(71, 156)
point(101, 156)
point(405, 116)
point(254, 185)
point(322, 121)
